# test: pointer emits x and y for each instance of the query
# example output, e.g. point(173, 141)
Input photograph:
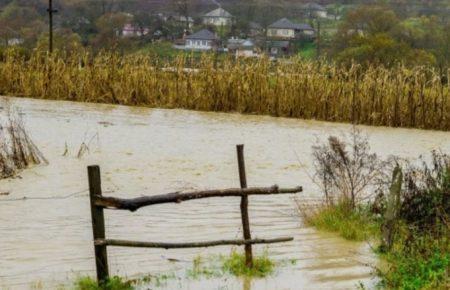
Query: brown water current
point(46, 242)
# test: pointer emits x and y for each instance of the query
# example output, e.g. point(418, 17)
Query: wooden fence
point(100, 202)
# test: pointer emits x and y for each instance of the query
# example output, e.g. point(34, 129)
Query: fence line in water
point(99, 203)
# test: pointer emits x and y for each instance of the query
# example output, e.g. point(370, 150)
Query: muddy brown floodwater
point(46, 242)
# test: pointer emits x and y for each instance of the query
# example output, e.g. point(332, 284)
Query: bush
point(426, 194)
point(422, 262)
point(348, 174)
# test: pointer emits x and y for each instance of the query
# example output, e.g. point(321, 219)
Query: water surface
point(141, 151)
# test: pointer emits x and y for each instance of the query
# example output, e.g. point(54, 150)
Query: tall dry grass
point(400, 96)
point(17, 150)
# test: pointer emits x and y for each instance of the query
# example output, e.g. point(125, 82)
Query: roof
point(285, 23)
point(314, 7)
point(219, 12)
point(203, 34)
point(248, 43)
point(237, 43)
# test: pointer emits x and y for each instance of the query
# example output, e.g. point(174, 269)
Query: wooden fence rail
point(99, 203)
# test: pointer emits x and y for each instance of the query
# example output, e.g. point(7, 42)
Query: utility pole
point(50, 11)
point(318, 37)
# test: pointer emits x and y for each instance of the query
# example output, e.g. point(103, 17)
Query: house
point(278, 48)
point(201, 40)
point(15, 41)
point(315, 10)
point(285, 29)
point(130, 30)
point(218, 17)
point(241, 47)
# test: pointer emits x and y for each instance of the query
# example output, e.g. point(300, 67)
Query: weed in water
point(157, 280)
point(203, 268)
point(235, 264)
point(114, 283)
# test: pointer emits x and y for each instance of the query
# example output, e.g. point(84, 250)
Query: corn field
point(400, 97)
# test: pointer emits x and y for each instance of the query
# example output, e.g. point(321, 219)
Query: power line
point(24, 198)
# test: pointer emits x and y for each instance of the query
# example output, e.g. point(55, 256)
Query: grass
point(201, 268)
point(354, 225)
point(235, 265)
point(424, 264)
point(308, 51)
point(114, 283)
point(373, 95)
point(417, 260)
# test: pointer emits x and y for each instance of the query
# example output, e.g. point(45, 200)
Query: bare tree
point(348, 170)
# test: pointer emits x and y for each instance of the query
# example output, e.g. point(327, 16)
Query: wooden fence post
point(244, 206)
point(98, 223)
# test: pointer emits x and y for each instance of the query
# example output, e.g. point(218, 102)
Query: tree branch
point(176, 197)
point(124, 243)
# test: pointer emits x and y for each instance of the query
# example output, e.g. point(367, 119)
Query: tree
point(20, 21)
point(374, 34)
point(426, 33)
point(109, 27)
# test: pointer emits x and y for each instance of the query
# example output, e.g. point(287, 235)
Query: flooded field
point(46, 240)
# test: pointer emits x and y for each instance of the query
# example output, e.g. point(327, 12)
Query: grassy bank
point(409, 217)
point(355, 225)
point(416, 260)
point(407, 97)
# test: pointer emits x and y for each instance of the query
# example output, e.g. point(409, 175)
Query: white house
point(218, 17)
point(201, 40)
point(285, 29)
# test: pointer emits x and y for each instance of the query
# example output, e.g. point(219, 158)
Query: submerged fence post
point(244, 206)
point(98, 223)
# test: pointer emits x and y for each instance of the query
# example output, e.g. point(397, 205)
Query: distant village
point(206, 33)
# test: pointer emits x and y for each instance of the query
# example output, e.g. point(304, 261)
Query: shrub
point(349, 175)
point(426, 194)
point(422, 262)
